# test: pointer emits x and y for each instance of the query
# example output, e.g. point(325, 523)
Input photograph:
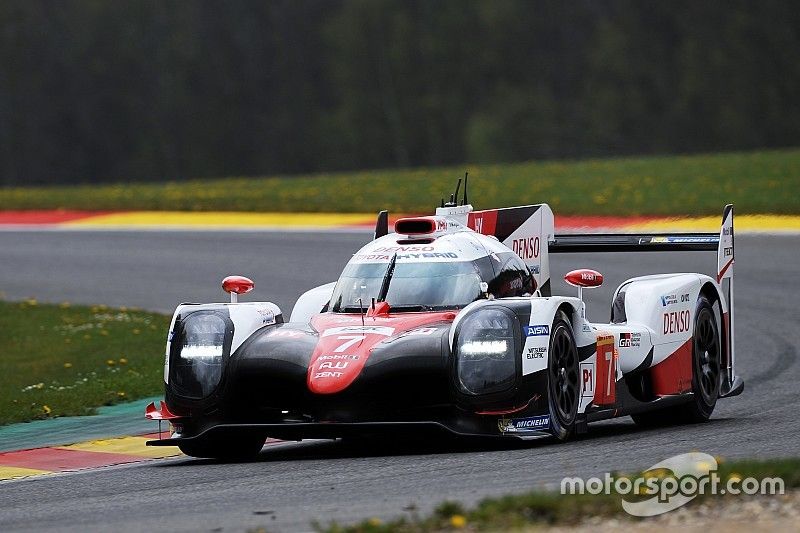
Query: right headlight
point(198, 354)
point(485, 351)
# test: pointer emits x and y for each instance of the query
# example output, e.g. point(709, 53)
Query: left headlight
point(485, 351)
point(198, 354)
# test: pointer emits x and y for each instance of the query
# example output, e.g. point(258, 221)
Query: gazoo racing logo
point(677, 322)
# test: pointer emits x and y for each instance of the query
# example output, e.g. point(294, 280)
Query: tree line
point(133, 90)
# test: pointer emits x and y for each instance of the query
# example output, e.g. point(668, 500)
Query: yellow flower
point(123, 361)
point(458, 521)
point(46, 410)
point(31, 301)
point(374, 521)
point(136, 332)
point(67, 365)
point(104, 332)
point(64, 305)
point(111, 362)
point(121, 394)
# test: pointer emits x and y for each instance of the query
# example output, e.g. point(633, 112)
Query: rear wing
point(529, 232)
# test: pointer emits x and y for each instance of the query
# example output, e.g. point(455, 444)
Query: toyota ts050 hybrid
point(448, 324)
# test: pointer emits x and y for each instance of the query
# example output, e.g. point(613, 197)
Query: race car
point(447, 325)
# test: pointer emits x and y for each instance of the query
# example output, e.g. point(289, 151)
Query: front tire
point(227, 448)
point(563, 389)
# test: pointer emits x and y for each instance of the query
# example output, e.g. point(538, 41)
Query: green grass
point(59, 360)
point(538, 508)
point(757, 182)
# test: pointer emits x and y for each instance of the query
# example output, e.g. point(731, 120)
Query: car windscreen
point(413, 286)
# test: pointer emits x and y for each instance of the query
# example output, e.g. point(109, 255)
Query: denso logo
point(676, 322)
point(536, 331)
point(392, 249)
point(527, 248)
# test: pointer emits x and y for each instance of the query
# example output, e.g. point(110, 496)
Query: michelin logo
point(521, 425)
point(537, 331)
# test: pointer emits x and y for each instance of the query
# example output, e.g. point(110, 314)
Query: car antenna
point(466, 176)
point(454, 196)
point(361, 309)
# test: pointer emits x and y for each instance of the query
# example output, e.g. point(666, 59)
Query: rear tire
point(229, 448)
point(706, 368)
point(563, 384)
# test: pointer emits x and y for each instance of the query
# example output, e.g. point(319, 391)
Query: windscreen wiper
point(387, 278)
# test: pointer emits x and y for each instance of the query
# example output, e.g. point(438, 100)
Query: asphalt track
point(292, 484)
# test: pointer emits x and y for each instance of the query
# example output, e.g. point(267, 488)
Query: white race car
point(448, 325)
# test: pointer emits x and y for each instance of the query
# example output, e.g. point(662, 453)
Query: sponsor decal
point(630, 340)
point(327, 374)
point(535, 269)
point(587, 380)
point(333, 365)
point(337, 357)
point(676, 322)
point(371, 257)
point(398, 249)
point(537, 331)
point(441, 225)
point(727, 231)
point(479, 223)
point(682, 240)
point(374, 330)
point(727, 252)
point(429, 255)
point(669, 299)
point(522, 425)
point(586, 328)
point(537, 352)
point(527, 247)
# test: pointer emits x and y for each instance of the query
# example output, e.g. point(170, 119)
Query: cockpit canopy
point(435, 279)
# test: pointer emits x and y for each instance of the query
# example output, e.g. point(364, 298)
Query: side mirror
point(236, 285)
point(584, 278)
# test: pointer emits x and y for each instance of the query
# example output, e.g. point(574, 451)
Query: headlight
point(198, 354)
point(485, 351)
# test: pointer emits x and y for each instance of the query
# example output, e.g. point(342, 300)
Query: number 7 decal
point(349, 341)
